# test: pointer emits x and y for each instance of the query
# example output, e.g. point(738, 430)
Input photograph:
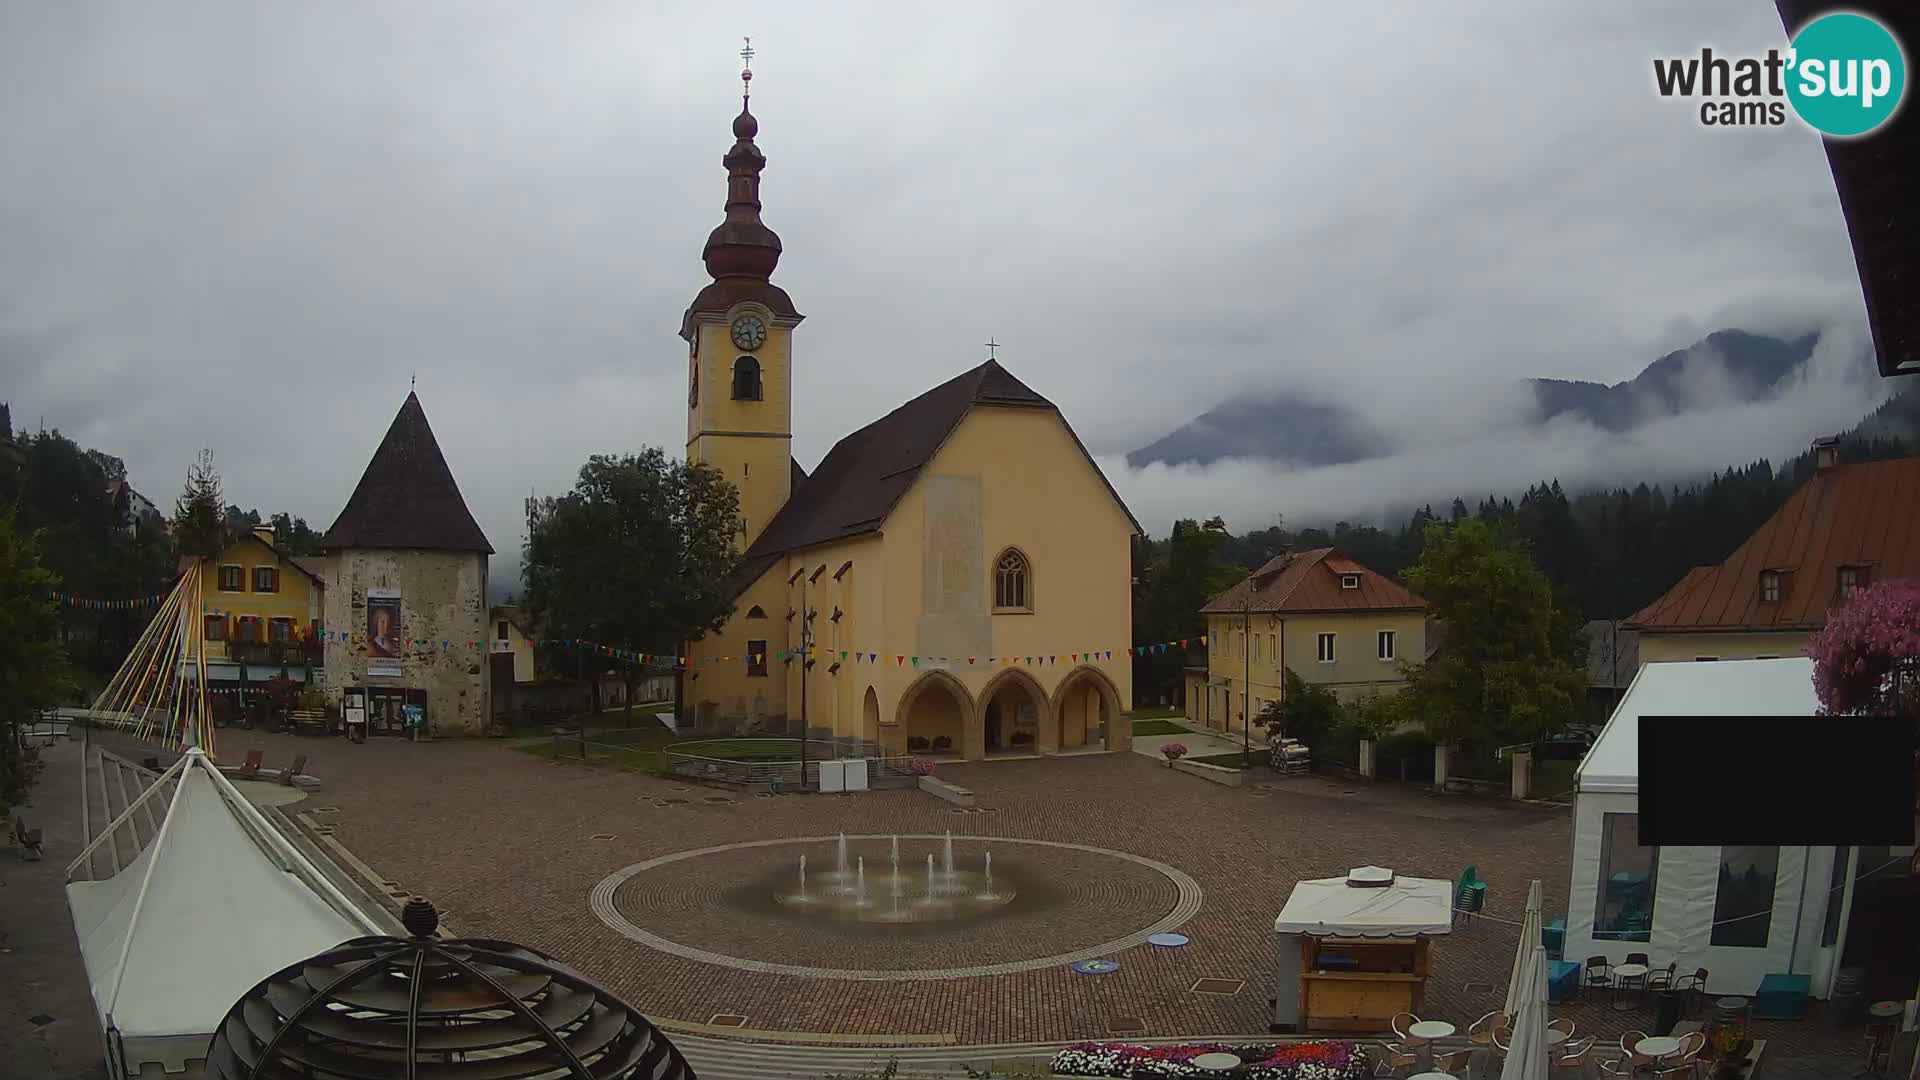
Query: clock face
point(749, 332)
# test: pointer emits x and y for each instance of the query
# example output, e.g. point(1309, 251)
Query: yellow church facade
point(953, 579)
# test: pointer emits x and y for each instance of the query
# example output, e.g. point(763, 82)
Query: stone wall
point(443, 597)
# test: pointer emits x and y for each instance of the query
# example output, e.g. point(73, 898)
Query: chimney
point(1826, 453)
point(264, 533)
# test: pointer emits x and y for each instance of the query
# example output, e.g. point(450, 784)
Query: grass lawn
point(1552, 778)
point(1159, 727)
point(1158, 714)
point(643, 749)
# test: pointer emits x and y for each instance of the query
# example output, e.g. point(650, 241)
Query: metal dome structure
point(385, 1008)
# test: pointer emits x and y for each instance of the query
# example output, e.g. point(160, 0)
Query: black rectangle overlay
point(1708, 781)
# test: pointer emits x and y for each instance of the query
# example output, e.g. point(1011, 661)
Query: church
point(953, 579)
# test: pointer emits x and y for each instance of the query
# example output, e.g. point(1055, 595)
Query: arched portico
point(1015, 716)
point(1085, 704)
point(937, 708)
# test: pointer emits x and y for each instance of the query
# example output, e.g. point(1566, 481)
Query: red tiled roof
point(1310, 581)
point(1865, 516)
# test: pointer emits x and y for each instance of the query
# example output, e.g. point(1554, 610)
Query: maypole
point(155, 673)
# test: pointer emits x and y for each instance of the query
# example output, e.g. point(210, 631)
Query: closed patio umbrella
point(1517, 984)
point(1527, 1052)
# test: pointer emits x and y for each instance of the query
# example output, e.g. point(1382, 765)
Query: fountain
point(948, 892)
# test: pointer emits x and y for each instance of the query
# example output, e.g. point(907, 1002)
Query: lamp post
point(1246, 687)
point(806, 658)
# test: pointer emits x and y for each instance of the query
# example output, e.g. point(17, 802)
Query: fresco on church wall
point(954, 618)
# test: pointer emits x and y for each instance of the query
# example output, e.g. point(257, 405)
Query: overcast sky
point(245, 226)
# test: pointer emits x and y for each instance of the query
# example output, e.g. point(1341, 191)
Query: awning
point(1407, 908)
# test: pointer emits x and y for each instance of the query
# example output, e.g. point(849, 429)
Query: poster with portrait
point(383, 624)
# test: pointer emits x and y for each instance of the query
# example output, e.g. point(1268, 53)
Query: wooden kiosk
point(1353, 950)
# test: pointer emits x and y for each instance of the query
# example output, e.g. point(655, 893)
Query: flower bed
point(1316, 1060)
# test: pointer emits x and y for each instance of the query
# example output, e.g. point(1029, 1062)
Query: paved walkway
point(1198, 744)
point(47, 1025)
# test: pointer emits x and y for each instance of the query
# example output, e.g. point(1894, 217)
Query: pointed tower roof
point(407, 497)
point(741, 252)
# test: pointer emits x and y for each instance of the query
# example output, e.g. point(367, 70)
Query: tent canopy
point(205, 912)
point(1693, 688)
point(1329, 906)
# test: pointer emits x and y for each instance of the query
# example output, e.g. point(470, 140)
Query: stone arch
point(1002, 720)
point(1086, 701)
point(935, 707)
point(870, 716)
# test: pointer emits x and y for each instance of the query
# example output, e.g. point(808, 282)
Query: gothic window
point(757, 658)
point(756, 612)
point(746, 379)
point(1012, 583)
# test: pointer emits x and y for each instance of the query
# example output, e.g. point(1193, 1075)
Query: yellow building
point(262, 611)
point(511, 639)
point(1316, 613)
point(960, 566)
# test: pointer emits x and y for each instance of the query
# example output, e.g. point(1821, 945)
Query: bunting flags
point(900, 660)
point(83, 603)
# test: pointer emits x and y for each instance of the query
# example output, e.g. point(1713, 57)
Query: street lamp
point(806, 654)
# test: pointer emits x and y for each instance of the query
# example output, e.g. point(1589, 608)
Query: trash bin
point(1666, 1011)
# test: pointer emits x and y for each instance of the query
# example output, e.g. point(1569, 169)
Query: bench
point(251, 770)
point(28, 839)
point(288, 774)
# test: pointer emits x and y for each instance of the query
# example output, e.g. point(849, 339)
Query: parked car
point(1570, 745)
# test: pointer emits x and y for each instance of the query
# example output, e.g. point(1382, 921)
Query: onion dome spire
point(742, 246)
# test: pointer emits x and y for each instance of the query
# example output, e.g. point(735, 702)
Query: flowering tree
point(1864, 646)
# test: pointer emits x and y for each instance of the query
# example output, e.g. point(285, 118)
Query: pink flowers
point(921, 766)
point(1174, 752)
point(1863, 644)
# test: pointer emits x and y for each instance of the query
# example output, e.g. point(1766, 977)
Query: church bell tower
point(739, 334)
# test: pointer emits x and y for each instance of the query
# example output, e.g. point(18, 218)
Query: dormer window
point(746, 379)
point(1853, 579)
point(1349, 581)
point(1770, 586)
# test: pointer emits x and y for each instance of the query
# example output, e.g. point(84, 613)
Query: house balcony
point(276, 653)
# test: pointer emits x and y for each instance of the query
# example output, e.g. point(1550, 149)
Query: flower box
point(1311, 1060)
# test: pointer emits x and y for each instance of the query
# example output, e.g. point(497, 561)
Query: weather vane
point(991, 346)
point(746, 72)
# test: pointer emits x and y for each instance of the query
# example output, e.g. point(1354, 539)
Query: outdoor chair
point(1638, 958)
point(287, 775)
point(1694, 986)
point(1635, 1059)
point(1454, 1061)
point(1662, 978)
point(1598, 974)
point(1393, 1058)
point(28, 839)
point(1561, 1023)
point(251, 769)
point(1480, 1032)
point(1401, 1023)
point(1574, 1055)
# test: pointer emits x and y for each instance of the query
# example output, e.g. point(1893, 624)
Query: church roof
point(864, 476)
point(407, 497)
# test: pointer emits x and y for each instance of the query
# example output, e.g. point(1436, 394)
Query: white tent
point(1662, 901)
point(218, 901)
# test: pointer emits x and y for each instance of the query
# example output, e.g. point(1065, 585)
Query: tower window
point(746, 379)
point(1012, 591)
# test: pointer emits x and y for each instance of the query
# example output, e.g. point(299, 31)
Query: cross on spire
point(991, 346)
point(746, 71)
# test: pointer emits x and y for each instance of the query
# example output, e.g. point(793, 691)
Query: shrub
point(1174, 752)
point(921, 767)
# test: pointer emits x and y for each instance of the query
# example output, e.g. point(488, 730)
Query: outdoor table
point(1622, 973)
point(1433, 1076)
point(1220, 1062)
point(1426, 1031)
point(1657, 1046)
point(1555, 1036)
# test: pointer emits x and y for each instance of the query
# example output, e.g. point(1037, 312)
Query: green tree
point(1307, 711)
point(199, 524)
point(1176, 579)
point(640, 552)
point(34, 674)
point(1513, 666)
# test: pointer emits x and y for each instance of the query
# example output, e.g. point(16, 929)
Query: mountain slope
point(1725, 367)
